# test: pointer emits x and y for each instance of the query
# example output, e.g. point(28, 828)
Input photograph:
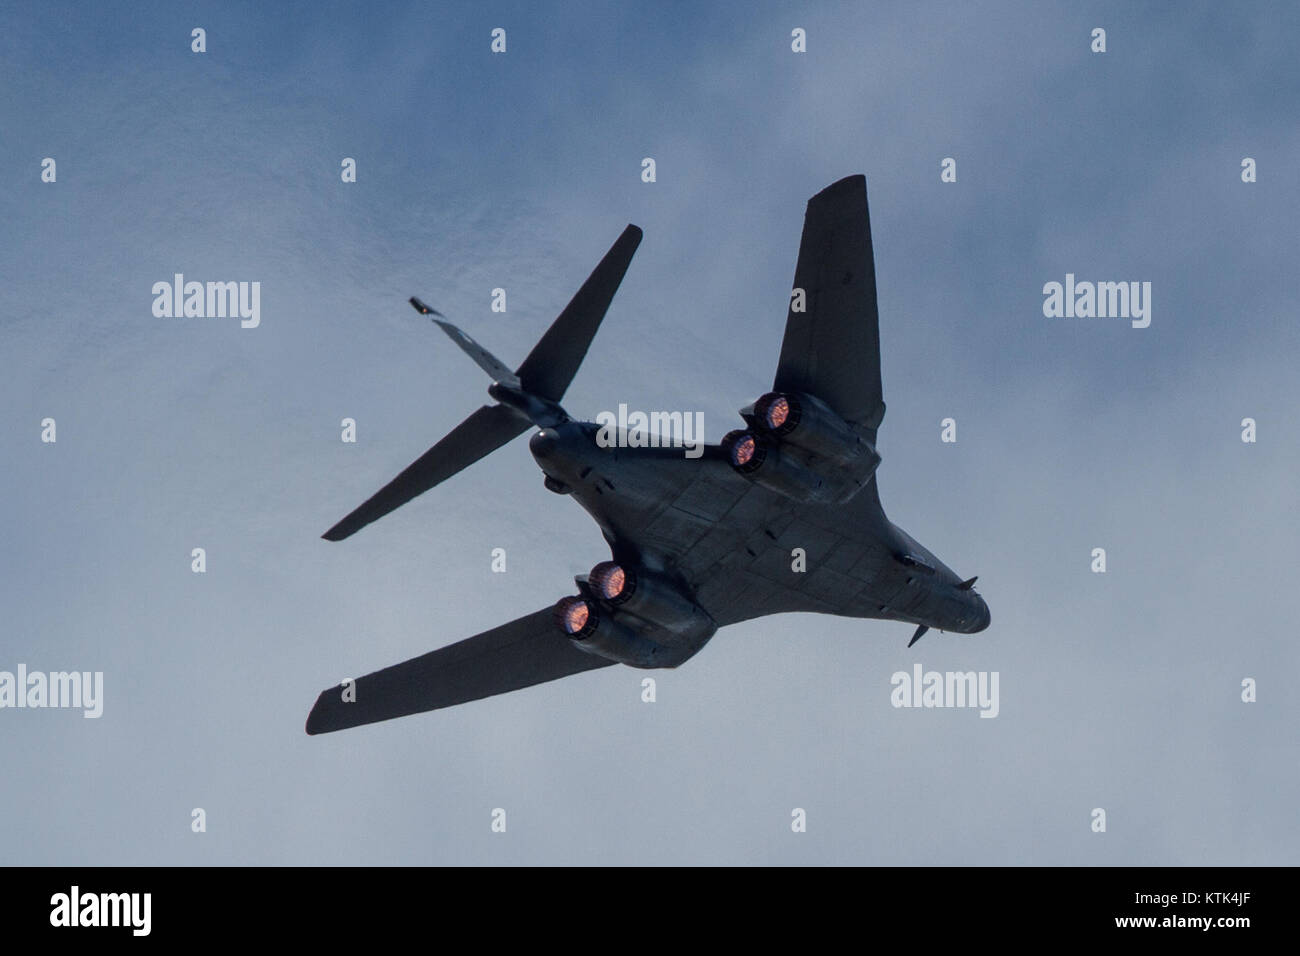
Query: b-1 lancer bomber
point(696, 543)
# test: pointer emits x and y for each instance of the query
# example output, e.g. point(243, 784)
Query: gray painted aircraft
point(696, 543)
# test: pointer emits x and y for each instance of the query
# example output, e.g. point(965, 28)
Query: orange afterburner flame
point(573, 615)
point(575, 619)
point(609, 579)
point(743, 450)
point(777, 413)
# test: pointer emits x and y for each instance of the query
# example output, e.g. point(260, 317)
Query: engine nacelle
point(808, 423)
point(799, 448)
point(650, 596)
point(581, 621)
point(763, 462)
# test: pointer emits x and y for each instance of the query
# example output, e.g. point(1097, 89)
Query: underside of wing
point(832, 348)
point(527, 651)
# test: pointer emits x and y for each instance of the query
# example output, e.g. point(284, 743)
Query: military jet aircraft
point(699, 543)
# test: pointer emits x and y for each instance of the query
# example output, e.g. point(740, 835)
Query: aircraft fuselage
point(698, 514)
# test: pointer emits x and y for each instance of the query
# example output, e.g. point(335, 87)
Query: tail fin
point(530, 395)
point(484, 359)
point(554, 360)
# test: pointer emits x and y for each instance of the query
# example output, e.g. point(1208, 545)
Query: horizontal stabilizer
point(920, 630)
point(483, 432)
point(527, 651)
point(554, 360)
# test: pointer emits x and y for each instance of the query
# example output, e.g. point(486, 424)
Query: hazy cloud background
point(474, 171)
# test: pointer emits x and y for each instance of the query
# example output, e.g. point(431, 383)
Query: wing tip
point(841, 188)
point(313, 724)
point(631, 236)
point(319, 720)
point(848, 182)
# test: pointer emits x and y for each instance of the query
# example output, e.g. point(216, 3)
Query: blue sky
point(477, 171)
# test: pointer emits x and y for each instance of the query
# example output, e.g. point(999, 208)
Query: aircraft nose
point(985, 617)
